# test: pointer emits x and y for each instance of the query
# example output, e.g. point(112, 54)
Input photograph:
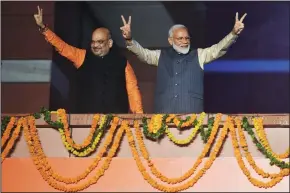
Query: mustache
point(183, 50)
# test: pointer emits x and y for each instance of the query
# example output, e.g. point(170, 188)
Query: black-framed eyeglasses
point(100, 42)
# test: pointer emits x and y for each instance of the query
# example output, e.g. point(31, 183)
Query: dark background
point(242, 86)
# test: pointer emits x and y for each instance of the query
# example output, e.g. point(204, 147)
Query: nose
point(94, 44)
point(184, 40)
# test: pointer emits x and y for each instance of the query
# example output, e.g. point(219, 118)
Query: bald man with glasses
point(106, 82)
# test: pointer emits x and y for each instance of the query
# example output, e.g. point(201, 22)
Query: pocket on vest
point(195, 95)
point(195, 102)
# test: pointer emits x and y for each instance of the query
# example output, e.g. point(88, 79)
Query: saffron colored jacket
point(77, 56)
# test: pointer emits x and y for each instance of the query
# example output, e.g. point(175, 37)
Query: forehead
point(180, 32)
point(99, 35)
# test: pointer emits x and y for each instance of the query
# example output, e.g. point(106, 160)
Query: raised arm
point(216, 51)
point(148, 56)
point(134, 95)
point(74, 54)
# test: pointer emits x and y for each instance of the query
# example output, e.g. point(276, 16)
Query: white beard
point(180, 49)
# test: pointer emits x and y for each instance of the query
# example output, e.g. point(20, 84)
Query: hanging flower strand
point(12, 140)
point(63, 119)
point(46, 170)
point(258, 123)
point(188, 121)
point(7, 131)
point(240, 161)
point(92, 146)
point(189, 183)
point(190, 172)
point(191, 136)
point(250, 159)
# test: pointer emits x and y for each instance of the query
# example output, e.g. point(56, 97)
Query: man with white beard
point(179, 86)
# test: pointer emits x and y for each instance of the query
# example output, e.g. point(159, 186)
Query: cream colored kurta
point(205, 55)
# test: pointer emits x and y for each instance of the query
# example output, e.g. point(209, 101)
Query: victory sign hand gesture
point(126, 29)
point(239, 25)
point(38, 18)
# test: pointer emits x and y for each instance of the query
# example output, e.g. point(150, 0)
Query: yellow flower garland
point(62, 117)
point(188, 184)
point(48, 174)
point(192, 134)
point(240, 161)
point(244, 146)
point(189, 173)
point(85, 152)
point(54, 179)
point(69, 143)
point(258, 124)
point(155, 123)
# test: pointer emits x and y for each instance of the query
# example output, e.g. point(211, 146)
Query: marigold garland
point(188, 184)
point(189, 173)
point(170, 118)
point(192, 134)
point(240, 161)
point(155, 129)
point(88, 149)
point(63, 118)
point(85, 152)
point(95, 162)
point(258, 123)
point(206, 133)
point(7, 131)
point(155, 123)
point(12, 140)
point(261, 148)
point(188, 121)
point(46, 171)
point(244, 146)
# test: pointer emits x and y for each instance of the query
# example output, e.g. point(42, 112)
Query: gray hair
point(177, 26)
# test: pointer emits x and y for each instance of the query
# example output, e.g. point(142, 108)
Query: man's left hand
point(239, 25)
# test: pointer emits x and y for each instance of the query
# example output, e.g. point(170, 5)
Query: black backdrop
point(208, 22)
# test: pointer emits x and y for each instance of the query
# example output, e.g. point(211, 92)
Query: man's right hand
point(126, 29)
point(38, 18)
